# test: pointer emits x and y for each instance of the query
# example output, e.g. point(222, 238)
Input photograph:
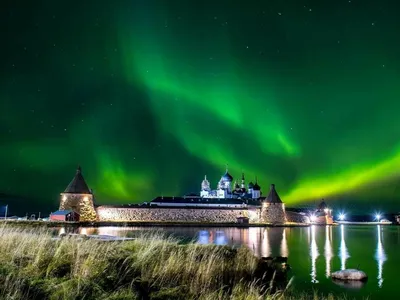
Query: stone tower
point(272, 208)
point(323, 214)
point(79, 198)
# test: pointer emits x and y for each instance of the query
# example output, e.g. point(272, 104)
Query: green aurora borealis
point(148, 96)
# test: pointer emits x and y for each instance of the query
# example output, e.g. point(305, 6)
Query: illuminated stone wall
point(273, 213)
point(80, 203)
point(294, 217)
point(324, 219)
point(145, 214)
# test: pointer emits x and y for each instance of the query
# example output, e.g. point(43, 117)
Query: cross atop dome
point(256, 187)
point(227, 176)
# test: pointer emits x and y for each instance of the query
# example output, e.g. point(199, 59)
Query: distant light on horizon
point(342, 216)
point(313, 218)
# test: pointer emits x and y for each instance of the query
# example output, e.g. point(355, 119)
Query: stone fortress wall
point(79, 198)
point(151, 214)
point(294, 217)
point(272, 213)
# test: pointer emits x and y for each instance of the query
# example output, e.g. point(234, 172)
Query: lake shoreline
point(36, 223)
point(145, 224)
point(71, 268)
point(303, 246)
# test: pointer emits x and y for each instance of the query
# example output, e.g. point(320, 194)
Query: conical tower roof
point(322, 205)
point(78, 184)
point(273, 196)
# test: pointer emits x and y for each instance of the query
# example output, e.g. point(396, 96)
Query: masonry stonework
point(295, 217)
point(79, 198)
point(80, 203)
point(146, 214)
point(273, 213)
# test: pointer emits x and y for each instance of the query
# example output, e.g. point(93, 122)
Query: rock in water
point(349, 284)
point(350, 274)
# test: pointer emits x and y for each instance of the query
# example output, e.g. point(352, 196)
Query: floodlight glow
point(342, 216)
point(378, 217)
point(313, 218)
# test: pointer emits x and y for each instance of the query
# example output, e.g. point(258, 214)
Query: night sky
point(149, 96)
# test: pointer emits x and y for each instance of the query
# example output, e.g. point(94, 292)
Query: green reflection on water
point(314, 252)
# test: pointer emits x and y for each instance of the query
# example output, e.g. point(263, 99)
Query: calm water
point(313, 252)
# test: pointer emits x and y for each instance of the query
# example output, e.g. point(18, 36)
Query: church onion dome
point(273, 196)
point(78, 184)
point(251, 185)
point(227, 177)
point(205, 181)
point(256, 187)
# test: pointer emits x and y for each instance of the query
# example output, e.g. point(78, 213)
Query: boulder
point(349, 284)
point(349, 274)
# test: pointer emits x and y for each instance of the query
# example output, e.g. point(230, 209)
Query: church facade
point(225, 189)
point(229, 202)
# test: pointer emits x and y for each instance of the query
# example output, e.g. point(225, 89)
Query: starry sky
point(148, 96)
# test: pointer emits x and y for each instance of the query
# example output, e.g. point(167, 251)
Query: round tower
point(272, 208)
point(79, 198)
point(323, 214)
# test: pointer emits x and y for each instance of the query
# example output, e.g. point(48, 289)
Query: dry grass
point(35, 266)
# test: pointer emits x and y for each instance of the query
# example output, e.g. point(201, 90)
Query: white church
point(225, 189)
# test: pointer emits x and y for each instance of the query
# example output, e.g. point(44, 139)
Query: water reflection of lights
point(265, 246)
point(267, 242)
point(203, 237)
point(254, 240)
point(220, 238)
point(209, 237)
point(380, 256)
point(120, 231)
point(328, 250)
point(284, 246)
point(343, 253)
point(314, 254)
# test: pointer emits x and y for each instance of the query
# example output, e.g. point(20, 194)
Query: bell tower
point(79, 198)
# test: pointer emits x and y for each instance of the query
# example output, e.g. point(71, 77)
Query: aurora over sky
point(148, 96)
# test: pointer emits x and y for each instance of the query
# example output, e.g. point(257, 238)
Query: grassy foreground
point(35, 266)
